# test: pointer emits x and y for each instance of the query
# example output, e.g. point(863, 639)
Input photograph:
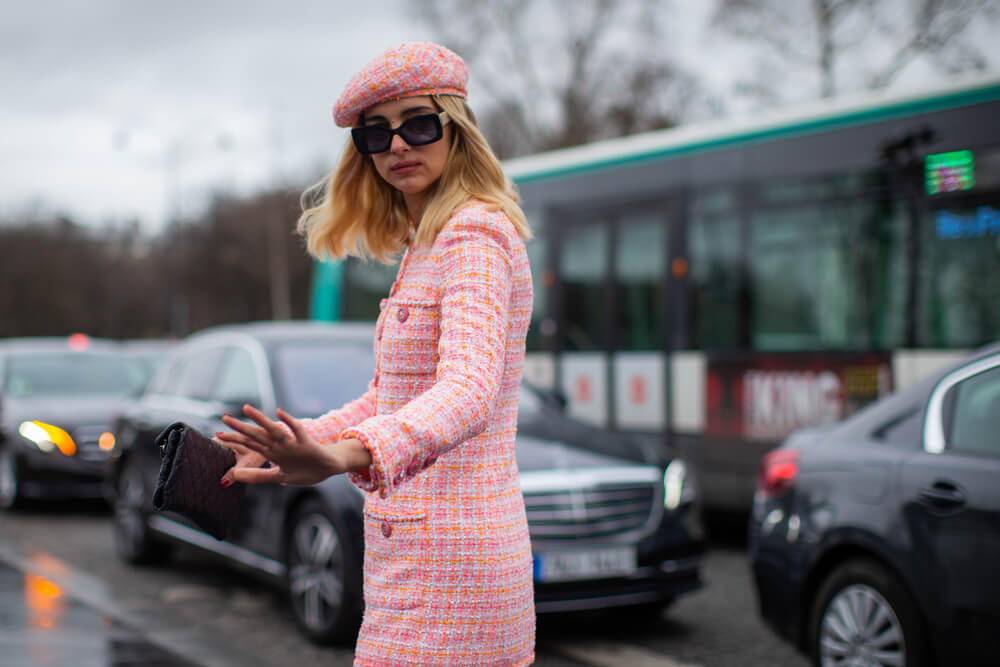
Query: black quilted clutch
point(191, 466)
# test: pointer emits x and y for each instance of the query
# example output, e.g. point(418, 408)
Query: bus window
point(639, 261)
point(714, 248)
point(584, 267)
point(828, 275)
point(959, 280)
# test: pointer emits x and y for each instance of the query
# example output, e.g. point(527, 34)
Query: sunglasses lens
point(421, 130)
point(371, 139)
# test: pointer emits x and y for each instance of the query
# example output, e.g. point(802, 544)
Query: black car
point(611, 523)
point(57, 398)
point(876, 541)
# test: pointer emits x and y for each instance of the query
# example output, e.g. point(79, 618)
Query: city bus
point(715, 286)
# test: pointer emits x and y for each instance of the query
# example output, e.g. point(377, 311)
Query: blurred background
point(152, 155)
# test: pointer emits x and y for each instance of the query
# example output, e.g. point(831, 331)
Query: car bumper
point(649, 584)
point(668, 564)
point(55, 476)
point(776, 568)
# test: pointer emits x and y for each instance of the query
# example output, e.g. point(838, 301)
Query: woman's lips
point(405, 167)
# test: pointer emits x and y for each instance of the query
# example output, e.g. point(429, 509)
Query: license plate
point(584, 564)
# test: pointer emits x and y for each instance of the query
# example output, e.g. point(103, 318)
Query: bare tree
point(564, 73)
point(878, 39)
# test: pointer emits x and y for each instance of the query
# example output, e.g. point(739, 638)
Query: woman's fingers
point(250, 430)
point(256, 475)
point(293, 423)
point(272, 428)
point(240, 443)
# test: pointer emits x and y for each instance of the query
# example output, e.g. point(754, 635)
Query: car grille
point(592, 508)
point(86, 439)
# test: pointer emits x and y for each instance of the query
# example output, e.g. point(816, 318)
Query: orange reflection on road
point(45, 601)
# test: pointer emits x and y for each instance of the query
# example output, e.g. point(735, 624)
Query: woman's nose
point(398, 144)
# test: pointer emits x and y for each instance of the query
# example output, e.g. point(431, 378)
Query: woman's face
point(409, 169)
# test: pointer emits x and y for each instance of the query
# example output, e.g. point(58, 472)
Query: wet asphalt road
point(79, 603)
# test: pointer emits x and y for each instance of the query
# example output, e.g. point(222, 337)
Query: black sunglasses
point(416, 131)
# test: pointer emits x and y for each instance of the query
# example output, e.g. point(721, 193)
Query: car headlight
point(47, 437)
point(678, 489)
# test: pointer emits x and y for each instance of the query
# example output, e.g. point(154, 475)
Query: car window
point(165, 379)
point(33, 375)
point(975, 414)
point(904, 428)
point(197, 374)
point(238, 380)
point(313, 377)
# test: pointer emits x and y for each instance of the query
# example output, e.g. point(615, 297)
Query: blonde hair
point(359, 214)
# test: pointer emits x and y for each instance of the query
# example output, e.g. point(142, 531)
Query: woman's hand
point(295, 457)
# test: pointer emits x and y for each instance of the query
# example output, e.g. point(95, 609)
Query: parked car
point(876, 541)
point(57, 398)
point(147, 354)
point(610, 523)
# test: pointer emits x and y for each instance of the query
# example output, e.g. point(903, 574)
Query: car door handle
point(943, 494)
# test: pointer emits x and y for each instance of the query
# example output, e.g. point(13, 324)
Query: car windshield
point(313, 377)
point(41, 374)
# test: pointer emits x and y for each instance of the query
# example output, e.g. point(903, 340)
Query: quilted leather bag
point(191, 466)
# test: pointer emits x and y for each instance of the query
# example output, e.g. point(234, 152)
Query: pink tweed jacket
point(448, 577)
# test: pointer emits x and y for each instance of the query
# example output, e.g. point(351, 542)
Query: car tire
point(863, 610)
point(10, 495)
point(323, 578)
point(134, 539)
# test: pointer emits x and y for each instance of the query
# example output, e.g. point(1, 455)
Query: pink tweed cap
point(408, 70)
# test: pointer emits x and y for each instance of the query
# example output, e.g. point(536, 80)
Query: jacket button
point(386, 529)
point(402, 313)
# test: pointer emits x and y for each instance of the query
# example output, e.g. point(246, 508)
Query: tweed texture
point(408, 70)
point(448, 578)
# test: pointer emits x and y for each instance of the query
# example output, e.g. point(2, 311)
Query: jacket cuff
point(370, 480)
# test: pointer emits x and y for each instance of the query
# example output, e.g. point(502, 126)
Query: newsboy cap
point(408, 70)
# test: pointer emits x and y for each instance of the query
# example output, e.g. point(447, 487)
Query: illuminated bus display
point(950, 172)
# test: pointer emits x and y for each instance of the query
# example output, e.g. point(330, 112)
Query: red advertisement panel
point(767, 396)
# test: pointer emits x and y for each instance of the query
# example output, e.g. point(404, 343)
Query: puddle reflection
point(41, 626)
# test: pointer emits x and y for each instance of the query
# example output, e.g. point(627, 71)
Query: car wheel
point(9, 488)
point(863, 615)
point(134, 539)
point(323, 580)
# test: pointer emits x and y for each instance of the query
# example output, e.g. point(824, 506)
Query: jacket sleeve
point(476, 279)
point(327, 428)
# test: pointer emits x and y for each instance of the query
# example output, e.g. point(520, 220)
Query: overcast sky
point(111, 109)
point(115, 110)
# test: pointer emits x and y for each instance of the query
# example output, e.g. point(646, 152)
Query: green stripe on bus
point(850, 119)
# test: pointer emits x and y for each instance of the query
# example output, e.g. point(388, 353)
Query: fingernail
point(225, 482)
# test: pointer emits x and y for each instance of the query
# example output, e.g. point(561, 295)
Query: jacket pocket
point(408, 339)
point(395, 554)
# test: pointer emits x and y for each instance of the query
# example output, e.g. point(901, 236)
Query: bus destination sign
point(949, 172)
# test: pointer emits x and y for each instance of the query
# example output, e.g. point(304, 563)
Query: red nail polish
point(225, 482)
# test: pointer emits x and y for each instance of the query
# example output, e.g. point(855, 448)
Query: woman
point(447, 565)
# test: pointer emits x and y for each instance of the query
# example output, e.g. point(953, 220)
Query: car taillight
point(778, 470)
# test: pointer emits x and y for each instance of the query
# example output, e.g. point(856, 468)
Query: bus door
point(610, 308)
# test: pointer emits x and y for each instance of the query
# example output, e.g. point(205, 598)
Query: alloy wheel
point(316, 571)
point(129, 522)
point(860, 629)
